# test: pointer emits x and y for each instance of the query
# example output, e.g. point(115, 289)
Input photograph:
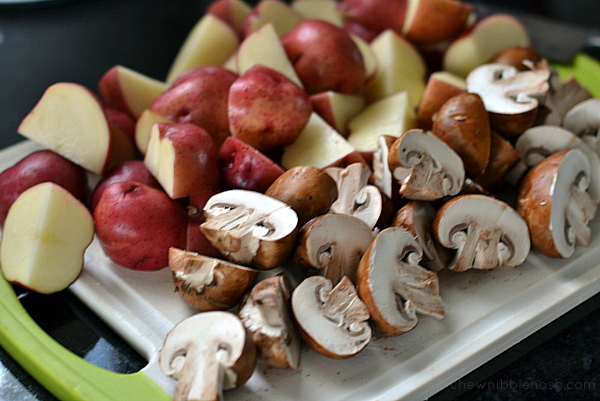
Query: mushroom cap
point(425, 166)
point(583, 118)
point(207, 353)
point(266, 314)
point(332, 320)
point(333, 244)
point(555, 204)
point(503, 158)
point(393, 285)
point(485, 231)
point(536, 143)
point(250, 228)
point(207, 283)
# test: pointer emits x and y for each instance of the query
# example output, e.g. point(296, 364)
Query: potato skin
point(38, 167)
point(137, 224)
point(308, 190)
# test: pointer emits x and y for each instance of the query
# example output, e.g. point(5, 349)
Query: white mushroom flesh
point(583, 120)
point(429, 169)
point(382, 175)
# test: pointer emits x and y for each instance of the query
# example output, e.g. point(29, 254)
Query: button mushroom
point(484, 231)
point(554, 201)
point(417, 217)
point(250, 228)
point(207, 353)
point(266, 314)
point(331, 320)
point(537, 143)
point(207, 283)
point(510, 97)
point(333, 245)
point(425, 166)
point(355, 196)
point(394, 286)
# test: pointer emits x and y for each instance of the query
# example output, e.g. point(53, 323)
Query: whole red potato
point(325, 57)
point(129, 170)
point(266, 109)
point(377, 15)
point(199, 97)
point(137, 224)
point(38, 167)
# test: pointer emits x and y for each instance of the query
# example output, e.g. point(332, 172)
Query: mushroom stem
point(204, 378)
point(341, 306)
point(579, 212)
point(478, 250)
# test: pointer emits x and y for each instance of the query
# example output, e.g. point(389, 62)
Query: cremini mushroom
point(356, 197)
point(511, 97)
point(250, 228)
point(332, 244)
point(554, 201)
point(539, 142)
point(503, 158)
point(560, 100)
point(417, 217)
point(331, 320)
point(207, 353)
point(484, 231)
point(425, 166)
point(583, 120)
point(207, 283)
point(394, 286)
point(266, 313)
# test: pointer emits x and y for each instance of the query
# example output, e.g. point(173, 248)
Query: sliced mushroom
point(486, 233)
point(308, 190)
point(554, 201)
point(417, 217)
point(266, 314)
point(250, 228)
point(333, 245)
point(510, 97)
point(394, 286)
point(382, 175)
point(463, 123)
point(537, 143)
point(207, 353)
point(559, 101)
point(355, 196)
point(207, 283)
point(331, 320)
point(425, 166)
point(584, 121)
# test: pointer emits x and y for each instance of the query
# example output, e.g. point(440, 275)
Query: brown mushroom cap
point(207, 283)
point(555, 204)
point(516, 55)
point(308, 190)
point(463, 123)
point(503, 157)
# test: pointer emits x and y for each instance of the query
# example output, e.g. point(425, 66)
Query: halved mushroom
point(394, 286)
point(539, 142)
point(331, 320)
point(464, 124)
point(207, 353)
point(382, 175)
point(250, 228)
point(503, 158)
point(417, 217)
point(486, 233)
point(266, 314)
point(425, 166)
point(207, 283)
point(554, 201)
point(584, 121)
point(355, 196)
point(560, 100)
point(333, 245)
point(511, 97)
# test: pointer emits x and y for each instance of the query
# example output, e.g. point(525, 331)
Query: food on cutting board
point(280, 141)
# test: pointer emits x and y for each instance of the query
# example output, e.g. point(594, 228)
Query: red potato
point(243, 167)
point(199, 97)
point(129, 170)
point(325, 57)
point(137, 224)
point(375, 14)
point(196, 240)
point(266, 109)
point(38, 167)
point(121, 121)
point(360, 30)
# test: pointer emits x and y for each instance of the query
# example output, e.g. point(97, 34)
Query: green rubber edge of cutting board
point(585, 69)
point(62, 373)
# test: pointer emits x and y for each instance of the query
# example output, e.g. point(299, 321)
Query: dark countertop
point(79, 40)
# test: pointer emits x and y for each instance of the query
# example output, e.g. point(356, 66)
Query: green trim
point(61, 372)
point(586, 71)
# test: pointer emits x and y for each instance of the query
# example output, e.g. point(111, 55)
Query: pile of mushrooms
point(330, 256)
